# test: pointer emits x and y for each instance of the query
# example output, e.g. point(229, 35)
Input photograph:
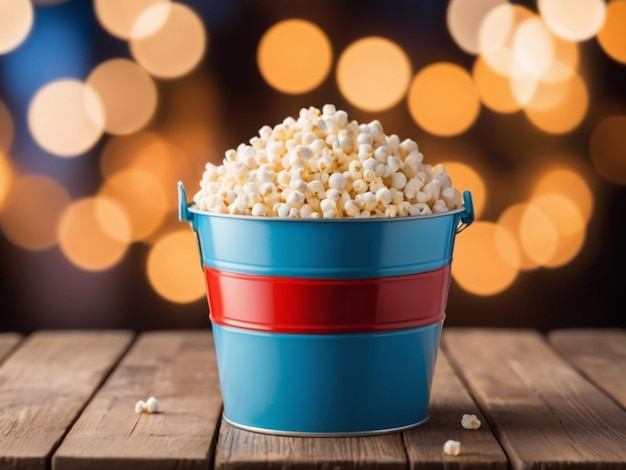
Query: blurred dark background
point(208, 92)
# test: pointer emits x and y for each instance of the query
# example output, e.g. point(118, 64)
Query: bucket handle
point(467, 216)
point(184, 214)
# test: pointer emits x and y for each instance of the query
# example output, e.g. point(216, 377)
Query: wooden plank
point(544, 413)
point(8, 342)
point(600, 354)
point(449, 402)
point(242, 450)
point(180, 370)
point(45, 384)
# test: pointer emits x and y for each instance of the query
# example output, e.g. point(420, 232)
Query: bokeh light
point(6, 128)
point(31, 211)
point(6, 177)
point(486, 259)
point(118, 17)
point(83, 239)
point(546, 96)
point(16, 21)
point(151, 154)
point(568, 183)
point(565, 63)
point(168, 40)
point(607, 148)
point(538, 234)
point(464, 18)
point(294, 56)
point(511, 219)
point(565, 115)
point(497, 33)
point(465, 177)
point(174, 268)
point(532, 47)
point(128, 95)
point(141, 196)
point(494, 89)
point(119, 153)
point(569, 223)
point(66, 117)
point(575, 21)
point(373, 73)
point(611, 35)
point(443, 99)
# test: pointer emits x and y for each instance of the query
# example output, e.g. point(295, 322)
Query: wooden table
point(67, 402)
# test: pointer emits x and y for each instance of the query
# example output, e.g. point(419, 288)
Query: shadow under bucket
point(364, 368)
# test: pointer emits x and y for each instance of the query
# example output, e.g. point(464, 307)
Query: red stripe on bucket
point(296, 305)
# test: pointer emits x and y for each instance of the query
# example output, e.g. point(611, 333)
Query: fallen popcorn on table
point(452, 447)
point(470, 422)
point(322, 165)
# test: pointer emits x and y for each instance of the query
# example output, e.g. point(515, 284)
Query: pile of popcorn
point(322, 165)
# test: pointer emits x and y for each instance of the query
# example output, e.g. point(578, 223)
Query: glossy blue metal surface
point(326, 249)
point(326, 384)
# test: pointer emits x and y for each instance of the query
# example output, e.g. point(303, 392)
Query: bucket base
point(279, 432)
point(340, 384)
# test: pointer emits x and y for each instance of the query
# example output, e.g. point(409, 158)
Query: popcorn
point(452, 447)
point(322, 165)
point(151, 405)
point(470, 422)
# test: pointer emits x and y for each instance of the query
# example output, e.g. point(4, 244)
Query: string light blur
point(127, 93)
point(486, 259)
point(118, 17)
point(373, 73)
point(168, 40)
point(66, 117)
point(574, 24)
point(443, 99)
point(16, 21)
point(611, 35)
point(25, 220)
point(294, 56)
point(464, 18)
point(6, 177)
point(83, 239)
point(607, 148)
point(173, 267)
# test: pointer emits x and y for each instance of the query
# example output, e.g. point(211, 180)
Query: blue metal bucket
point(336, 384)
point(316, 382)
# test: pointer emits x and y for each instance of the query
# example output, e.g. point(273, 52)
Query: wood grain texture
point(8, 342)
point(449, 402)
point(241, 450)
point(179, 369)
point(600, 354)
point(543, 412)
point(45, 384)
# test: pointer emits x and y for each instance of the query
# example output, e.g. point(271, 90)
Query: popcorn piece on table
point(288, 171)
point(452, 447)
point(151, 405)
point(470, 422)
point(140, 406)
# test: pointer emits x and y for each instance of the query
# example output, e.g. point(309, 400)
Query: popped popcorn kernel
point(140, 406)
point(320, 164)
point(470, 422)
point(452, 447)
